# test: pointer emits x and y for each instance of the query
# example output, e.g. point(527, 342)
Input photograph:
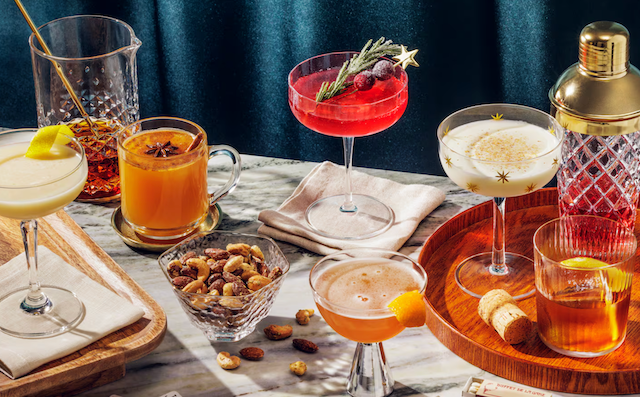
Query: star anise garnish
point(162, 149)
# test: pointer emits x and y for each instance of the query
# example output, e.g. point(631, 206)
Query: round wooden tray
point(452, 314)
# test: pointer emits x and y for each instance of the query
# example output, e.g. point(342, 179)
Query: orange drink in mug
point(163, 176)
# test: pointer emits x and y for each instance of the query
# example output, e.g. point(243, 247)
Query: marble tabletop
point(186, 360)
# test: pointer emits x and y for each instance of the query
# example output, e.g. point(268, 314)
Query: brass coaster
point(133, 240)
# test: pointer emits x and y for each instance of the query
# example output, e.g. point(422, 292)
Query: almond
point(187, 256)
point(305, 345)
point(217, 253)
point(252, 353)
point(181, 281)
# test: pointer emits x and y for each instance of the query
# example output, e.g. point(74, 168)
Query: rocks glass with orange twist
point(369, 295)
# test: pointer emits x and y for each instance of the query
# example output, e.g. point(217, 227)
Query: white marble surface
point(186, 360)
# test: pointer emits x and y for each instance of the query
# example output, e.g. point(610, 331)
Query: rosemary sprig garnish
point(359, 62)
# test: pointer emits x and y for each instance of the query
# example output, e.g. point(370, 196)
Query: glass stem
point(348, 205)
point(370, 373)
point(498, 266)
point(35, 300)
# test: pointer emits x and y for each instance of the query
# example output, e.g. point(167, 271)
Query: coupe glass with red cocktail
point(358, 110)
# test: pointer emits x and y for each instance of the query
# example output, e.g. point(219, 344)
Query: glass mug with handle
point(163, 175)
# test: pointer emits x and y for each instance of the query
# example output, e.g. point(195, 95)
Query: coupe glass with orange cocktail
point(358, 293)
point(163, 171)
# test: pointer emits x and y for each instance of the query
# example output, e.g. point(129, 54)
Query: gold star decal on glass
point(447, 160)
point(502, 176)
point(406, 58)
point(555, 162)
point(472, 187)
point(446, 131)
point(497, 116)
point(530, 188)
point(552, 130)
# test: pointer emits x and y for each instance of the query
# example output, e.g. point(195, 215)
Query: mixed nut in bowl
point(226, 282)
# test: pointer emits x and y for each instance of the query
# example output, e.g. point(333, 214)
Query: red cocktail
point(354, 111)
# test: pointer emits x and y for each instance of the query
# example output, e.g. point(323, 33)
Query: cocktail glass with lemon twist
point(31, 187)
point(499, 150)
point(584, 270)
point(368, 296)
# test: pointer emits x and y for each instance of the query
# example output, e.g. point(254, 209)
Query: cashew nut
point(257, 252)
point(248, 274)
point(239, 249)
point(194, 286)
point(232, 303)
point(201, 265)
point(302, 316)
point(256, 282)
point(227, 289)
point(233, 264)
point(227, 361)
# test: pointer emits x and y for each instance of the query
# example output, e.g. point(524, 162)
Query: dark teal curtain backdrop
point(224, 64)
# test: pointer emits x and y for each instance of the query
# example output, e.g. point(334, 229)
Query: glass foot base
point(369, 218)
point(476, 276)
point(370, 373)
point(64, 313)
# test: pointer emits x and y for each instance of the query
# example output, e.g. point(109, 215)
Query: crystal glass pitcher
point(597, 101)
point(97, 56)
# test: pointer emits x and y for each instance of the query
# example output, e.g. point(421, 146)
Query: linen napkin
point(105, 312)
point(410, 203)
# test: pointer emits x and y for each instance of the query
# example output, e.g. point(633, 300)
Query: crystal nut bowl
point(227, 318)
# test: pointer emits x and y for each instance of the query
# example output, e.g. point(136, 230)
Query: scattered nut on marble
point(299, 368)
point(278, 332)
point(227, 361)
point(305, 345)
point(252, 353)
point(302, 316)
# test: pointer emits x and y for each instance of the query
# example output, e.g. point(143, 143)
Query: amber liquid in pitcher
point(101, 149)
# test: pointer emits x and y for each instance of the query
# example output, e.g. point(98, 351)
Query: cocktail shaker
point(597, 101)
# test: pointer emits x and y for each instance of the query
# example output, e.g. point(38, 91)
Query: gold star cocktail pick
point(406, 58)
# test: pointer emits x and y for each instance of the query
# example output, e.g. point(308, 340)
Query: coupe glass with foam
point(499, 151)
point(352, 289)
point(31, 188)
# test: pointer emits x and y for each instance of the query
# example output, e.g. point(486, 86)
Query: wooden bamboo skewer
point(57, 66)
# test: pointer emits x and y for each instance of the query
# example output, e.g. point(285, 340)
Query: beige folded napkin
point(105, 312)
point(410, 203)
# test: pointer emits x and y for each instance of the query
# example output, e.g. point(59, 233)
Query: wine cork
point(499, 310)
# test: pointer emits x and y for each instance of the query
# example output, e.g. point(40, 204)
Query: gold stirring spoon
point(58, 68)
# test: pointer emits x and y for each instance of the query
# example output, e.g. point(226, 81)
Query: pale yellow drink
point(31, 188)
point(500, 158)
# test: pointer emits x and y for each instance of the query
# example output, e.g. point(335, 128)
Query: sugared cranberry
point(383, 70)
point(364, 80)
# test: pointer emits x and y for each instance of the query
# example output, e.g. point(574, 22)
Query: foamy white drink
point(500, 158)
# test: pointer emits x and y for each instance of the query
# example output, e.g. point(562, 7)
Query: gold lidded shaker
point(597, 101)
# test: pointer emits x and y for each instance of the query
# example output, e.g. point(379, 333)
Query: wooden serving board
point(452, 314)
point(104, 360)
